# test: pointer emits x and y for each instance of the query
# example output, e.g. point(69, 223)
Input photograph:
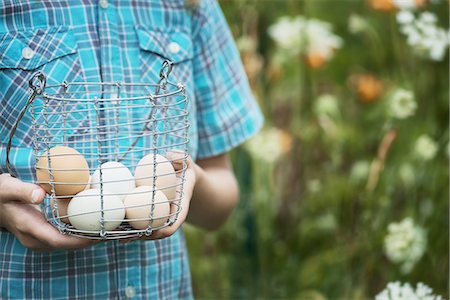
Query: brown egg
point(63, 203)
point(70, 171)
point(166, 179)
point(142, 198)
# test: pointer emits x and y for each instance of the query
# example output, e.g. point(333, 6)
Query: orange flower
point(383, 5)
point(368, 88)
point(315, 60)
point(389, 5)
point(420, 3)
point(285, 141)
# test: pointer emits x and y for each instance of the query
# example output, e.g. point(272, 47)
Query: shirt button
point(174, 47)
point(130, 292)
point(103, 3)
point(27, 53)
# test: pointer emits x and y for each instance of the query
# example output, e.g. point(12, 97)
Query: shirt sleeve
point(227, 113)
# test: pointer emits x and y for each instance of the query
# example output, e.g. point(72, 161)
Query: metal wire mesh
point(113, 126)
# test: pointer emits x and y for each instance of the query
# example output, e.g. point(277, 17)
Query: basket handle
point(37, 85)
point(166, 69)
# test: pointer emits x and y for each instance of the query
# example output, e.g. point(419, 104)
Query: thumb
point(12, 189)
point(177, 158)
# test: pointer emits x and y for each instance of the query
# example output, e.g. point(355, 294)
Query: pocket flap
point(46, 44)
point(174, 45)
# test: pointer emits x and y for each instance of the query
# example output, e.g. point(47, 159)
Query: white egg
point(116, 178)
point(166, 179)
point(84, 210)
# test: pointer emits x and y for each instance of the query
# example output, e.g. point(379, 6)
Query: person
point(109, 41)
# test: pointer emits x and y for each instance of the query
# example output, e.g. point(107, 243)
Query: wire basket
point(101, 149)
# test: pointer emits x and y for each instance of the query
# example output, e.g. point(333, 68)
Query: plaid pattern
point(126, 41)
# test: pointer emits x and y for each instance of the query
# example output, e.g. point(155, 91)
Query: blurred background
point(345, 191)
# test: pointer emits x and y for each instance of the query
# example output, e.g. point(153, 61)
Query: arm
point(215, 194)
point(209, 194)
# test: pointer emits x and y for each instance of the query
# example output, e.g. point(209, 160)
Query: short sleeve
point(227, 113)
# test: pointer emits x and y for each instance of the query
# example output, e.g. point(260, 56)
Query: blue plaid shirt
point(119, 40)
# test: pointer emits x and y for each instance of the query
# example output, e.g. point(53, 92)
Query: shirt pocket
point(52, 50)
point(156, 46)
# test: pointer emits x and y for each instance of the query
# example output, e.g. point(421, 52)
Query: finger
point(128, 240)
point(188, 189)
point(12, 189)
point(31, 243)
point(46, 246)
point(178, 158)
point(38, 228)
point(28, 224)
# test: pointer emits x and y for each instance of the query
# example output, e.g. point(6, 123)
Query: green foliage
point(309, 226)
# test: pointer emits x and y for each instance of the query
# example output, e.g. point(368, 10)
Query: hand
point(21, 215)
point(191, 176)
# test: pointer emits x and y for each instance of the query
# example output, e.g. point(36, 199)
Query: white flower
point(428, 17)
point(398, 291)
point(405, 244)
point(246, 43)
point(269, 145)
point(425, 147)
point(320, 40)
point(402, 104)
point(300, 35)
point(405, 4)
point(326, 108)
point(405, 17)
point(407, 174)
point(414, 37)
point(356, 24)
point(437, 45)
point(326, 222)
point(287, 33)
point(360, 171)
point(423, 34)
point(327, 105)
point(314, 185)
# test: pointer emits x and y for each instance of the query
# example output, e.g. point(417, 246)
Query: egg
point(88, 186)
point(116, 179)
point(139, 204)
point(166, 180)
point(70, 171)
point(63, 203)
point(84, 210)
